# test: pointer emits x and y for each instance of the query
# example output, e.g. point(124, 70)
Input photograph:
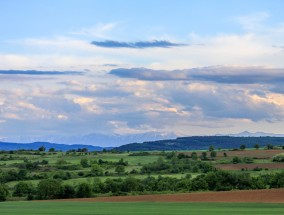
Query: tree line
point(216, 180)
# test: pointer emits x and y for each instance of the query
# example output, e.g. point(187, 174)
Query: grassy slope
point(82, 208)
point(135, 162)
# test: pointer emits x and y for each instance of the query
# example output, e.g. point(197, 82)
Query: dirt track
point(269, 196)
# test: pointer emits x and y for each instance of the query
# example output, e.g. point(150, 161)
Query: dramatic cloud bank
point(136, 45)
point(219, 74)
point(199, 71)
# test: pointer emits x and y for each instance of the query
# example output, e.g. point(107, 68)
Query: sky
point(206, 67)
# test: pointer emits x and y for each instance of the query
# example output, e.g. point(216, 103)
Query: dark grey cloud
point(37, 72)
point(149, 74)
point(136, 45)
point(224, 102)
point(218, 74)
point(110, 64)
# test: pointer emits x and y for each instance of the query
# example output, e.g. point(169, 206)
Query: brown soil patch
point(269, 196)
point(252, 153)
point(259, 154)
point(250, 166)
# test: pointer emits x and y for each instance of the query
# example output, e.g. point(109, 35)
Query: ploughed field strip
point(265, 196)
point(258, 154)
point(250, 166)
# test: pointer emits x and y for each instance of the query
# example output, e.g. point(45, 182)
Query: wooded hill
point(202, 142)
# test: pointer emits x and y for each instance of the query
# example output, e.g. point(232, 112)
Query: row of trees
point(215, 181)
point(176, 164)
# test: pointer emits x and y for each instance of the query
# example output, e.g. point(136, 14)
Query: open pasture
point(141, 208)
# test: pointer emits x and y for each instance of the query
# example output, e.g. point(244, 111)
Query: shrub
point(23, 189)
point(84, 190)
point(48, 189)
point(236, 160)
point(4, 192)
point(247, 160)
point(278, 158)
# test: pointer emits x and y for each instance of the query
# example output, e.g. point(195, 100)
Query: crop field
point(252, 196)
point(141, 208)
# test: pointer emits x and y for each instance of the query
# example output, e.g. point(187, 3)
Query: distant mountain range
point(34, 146)
point(251, 134)
point(95, 139)
point(145, 141)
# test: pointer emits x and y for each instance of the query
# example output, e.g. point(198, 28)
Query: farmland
point(99, 208)
point(252, 196)
point(33, 174)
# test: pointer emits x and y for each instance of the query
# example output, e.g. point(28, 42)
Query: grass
point(98, 208)
point(135, 162)
point(102, 178)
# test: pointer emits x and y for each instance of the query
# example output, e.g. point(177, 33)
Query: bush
point(23, 189)
point(236, 160)
point(278, 158)
point(67, 191)
point(4, 192)
point(84, 190)
point(247, 160)
point(84, 162)
point(48, 189)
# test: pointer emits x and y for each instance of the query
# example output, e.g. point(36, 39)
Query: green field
point(28, 168)
point(82, 208)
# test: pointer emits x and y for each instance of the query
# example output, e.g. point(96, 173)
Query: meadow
point(103, 208)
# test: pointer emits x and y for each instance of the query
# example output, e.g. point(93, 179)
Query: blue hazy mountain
point(34, 146)
point(94, 139)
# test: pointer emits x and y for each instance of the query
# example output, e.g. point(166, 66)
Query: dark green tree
point(211, 148)
point(269, 146)
point(51, 150)
point(84, 190)
point(23, 189)
point(203, 156)
point(213, 154)
point(194, 156)
point(96, 170)
point(4, 192)
point(119, 169)
point(130, 184)
point(84, 162)
point(42, 148)
point(67, 191)
point(236, 160)
point(48, 189)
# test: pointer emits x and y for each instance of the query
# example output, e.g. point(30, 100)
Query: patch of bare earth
point(255, 153)
point(269, 196)
point(259, 154)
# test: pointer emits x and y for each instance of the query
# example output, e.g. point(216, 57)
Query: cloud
point(37, 72)
point(218, 74)
point(101, 30)
point(252, 21)
point(136, 45)
point(226, 102)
